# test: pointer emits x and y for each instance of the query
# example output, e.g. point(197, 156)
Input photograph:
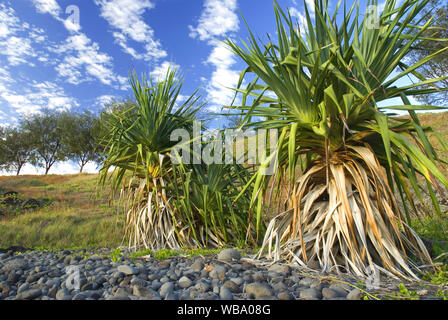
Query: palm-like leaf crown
point(329, 81)
point(139, 138)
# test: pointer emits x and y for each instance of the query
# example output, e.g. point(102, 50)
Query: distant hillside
point(439, 122)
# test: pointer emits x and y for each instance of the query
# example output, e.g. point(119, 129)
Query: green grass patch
point(434, 229)
point(438, 277)
point(22, 182)
point(167, 253)
point(62, 230)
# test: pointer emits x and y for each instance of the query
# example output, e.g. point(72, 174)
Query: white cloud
point(17, 50)
point(218, 20)
point(311, 6)
point(83, 60)
point(223, 77)
point(9, 23)
point(301, 17)
point(47, 6)
point(15, 38)
point(160, 71)
point(37, 95)
point(126, 16)
point(101, 101)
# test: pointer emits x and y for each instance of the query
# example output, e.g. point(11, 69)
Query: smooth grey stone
point(266, 298)
point(329, 293)
point(238, 280)
point(144, 292)
point(279, 268)
point(15, 264)
point(29, 294)
point(225, 293)
point(185, 295)
point(79, 296)
point(197, 266)
point(13, 277)
point(184, 282)
point(229, 255)
point(279, 286)
point(121, 292)
point(172, 296)
point(218, 271)
point(156, 284)
point(94, 294)
point(259, 276)
point(341, 288)
point(216, 289)
point(306, 282)
point(236, 267)
point(62, 293)
point(164, 279)
point(354, 294)
point(284, 295)
point(316, 284)
point(52, 292)
point(126, 269)
point(166, 289)
point(202, 286)
point(310, 294)
point(258, 289)
point(118, 298)
point(204, 273)
point(232, 286)
point(23, 287)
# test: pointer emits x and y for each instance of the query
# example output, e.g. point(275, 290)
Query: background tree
point(79, 136)
point(16, 149)
point(46, 137)
point(438, 66)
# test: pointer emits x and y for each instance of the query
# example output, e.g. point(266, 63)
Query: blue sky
point(77, 55)
point(48, 59)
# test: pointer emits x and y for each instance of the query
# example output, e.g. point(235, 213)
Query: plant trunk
point(344, 216)
point(18, 169)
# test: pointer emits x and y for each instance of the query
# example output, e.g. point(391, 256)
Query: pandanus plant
point(169, 203)
point(209, 204)
point(139, 156)
point(342, 152)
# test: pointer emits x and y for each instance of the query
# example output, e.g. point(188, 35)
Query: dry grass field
point(75, 217)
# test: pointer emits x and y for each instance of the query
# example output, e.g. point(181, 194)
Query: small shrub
point(141, 253)
point(438, 277)
point(116, 255)
point(165, 253)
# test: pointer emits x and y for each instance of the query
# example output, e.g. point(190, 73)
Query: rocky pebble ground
point(97, 275)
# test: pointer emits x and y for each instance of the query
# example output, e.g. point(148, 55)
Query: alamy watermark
point(372, 19)
point(73, 280)
point(373, 280)
point(73, 21)
point(228, 147)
